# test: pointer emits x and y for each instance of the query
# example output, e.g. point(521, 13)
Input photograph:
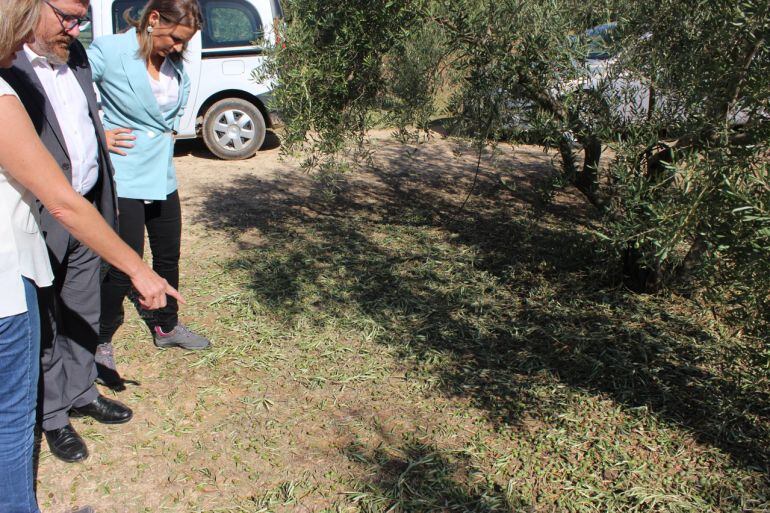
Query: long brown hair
point(172, 12)
point(17, 19)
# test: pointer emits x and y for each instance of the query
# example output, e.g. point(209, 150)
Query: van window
point(87, 35)
point(230, 23)
point(119, 7)
point(277, 9)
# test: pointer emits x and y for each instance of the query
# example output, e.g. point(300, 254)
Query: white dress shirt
point(22, 248)
point(71, 108)
point(166, 90)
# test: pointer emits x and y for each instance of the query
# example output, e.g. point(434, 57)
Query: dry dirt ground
point(330, 384)
point(183, 451)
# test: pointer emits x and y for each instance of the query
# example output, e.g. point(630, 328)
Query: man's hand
point(118, 138)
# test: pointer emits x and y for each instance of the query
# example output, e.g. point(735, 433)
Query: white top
point(22, 248)
point(71, 108)
point(166, 90)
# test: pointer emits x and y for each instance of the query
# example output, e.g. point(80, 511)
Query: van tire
point(233, 129)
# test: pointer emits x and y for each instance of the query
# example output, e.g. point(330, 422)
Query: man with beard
point(53, 80)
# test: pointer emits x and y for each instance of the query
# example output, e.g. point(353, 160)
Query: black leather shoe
point(106, 411)
point(66, 444)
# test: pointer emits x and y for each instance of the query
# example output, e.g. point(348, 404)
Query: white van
point(227, 106)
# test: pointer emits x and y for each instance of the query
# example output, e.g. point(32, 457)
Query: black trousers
point(163, 220)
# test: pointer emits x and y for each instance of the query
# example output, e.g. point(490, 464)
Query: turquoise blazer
point(147, 171)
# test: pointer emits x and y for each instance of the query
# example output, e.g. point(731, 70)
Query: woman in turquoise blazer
point(144, 88)
point(147, 172)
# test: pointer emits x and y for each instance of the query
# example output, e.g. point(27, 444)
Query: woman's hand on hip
point(118, 138)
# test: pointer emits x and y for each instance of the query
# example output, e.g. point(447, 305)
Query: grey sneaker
point(105, 356)
point(84, 509)
point(180, 336)
point(107, 371)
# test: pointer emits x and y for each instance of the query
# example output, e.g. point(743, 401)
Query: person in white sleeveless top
point(27, 171)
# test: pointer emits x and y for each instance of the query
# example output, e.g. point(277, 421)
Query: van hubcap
point(234, 129)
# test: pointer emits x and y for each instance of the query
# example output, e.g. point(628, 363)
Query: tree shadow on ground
point(500, 294)
point(419, 478)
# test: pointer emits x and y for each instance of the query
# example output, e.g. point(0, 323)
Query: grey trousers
point(69, 318)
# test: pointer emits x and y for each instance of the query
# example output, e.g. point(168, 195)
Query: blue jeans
point(19, 369)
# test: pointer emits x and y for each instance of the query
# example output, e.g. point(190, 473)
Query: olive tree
point(692, 193)
point(684, 189)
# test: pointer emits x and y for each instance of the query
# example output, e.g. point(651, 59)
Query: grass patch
point(580, 396)
point(377, 350)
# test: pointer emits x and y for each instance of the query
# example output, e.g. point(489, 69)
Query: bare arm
point(24, 157)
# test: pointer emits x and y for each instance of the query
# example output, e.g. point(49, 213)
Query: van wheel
point(233, 129)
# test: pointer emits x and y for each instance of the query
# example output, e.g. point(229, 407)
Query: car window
point(230, 23)
point(87, 35)
point(601, 41)
point(119, 9)
point(598, 49)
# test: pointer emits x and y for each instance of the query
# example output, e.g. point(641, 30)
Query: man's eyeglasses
point(68, 21)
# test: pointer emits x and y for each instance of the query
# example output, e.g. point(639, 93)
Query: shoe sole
point(67, 460)
point(179, 346)
point(77, 415)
